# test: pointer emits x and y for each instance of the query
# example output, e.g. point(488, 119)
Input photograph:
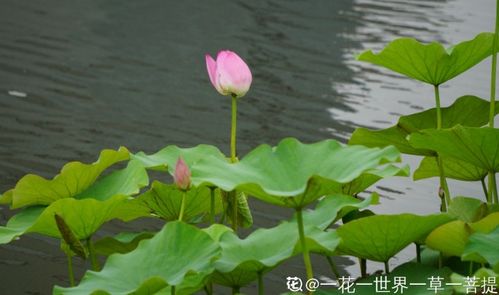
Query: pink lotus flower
point(182, 175)
point(229, 74)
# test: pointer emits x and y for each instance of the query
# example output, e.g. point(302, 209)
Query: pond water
point(80, 76)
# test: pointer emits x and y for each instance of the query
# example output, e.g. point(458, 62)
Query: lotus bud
point(182, 175)
point(229, 74)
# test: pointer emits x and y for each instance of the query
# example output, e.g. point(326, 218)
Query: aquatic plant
point(195, 250)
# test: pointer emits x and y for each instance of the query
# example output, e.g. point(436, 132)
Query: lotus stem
point(494, 70)
point(233, 158)
point(494, 187)
point(182, 206)
point(333, 267)
point(363, 267)
point(260, 284)
point(441, 172)
point(212, 205)
point(235, 290)
point(91, 253)
point(387, 267)
point(70, 270)
point(418, 253)
point(173, 290)
point(484, 187)
point(306, 254)
point(470, 270)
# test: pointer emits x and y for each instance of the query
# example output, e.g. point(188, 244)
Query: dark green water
point(100, 74)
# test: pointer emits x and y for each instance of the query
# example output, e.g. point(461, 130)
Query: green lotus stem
point(173, 290)
point(333, 267)
point(212, 205)
point(306, 254)
point(494, 187)
point(470, 270)
point(484, 187)
point(91, 253)
point(441, 172)
point(260, 284)
point(440, 260)
point(233, 158)
point(494, 70)
point(182, 206)
point(70, 270)
point(387, 267)
point(363, 267)
point(418, 253)
point(236, 290)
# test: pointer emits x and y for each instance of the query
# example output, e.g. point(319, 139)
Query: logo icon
point(294, 284)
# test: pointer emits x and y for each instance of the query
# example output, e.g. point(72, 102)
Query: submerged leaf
point(175, 254)
point(293, 174)
point(380, 237)
point(431, 63)
point(74, 178)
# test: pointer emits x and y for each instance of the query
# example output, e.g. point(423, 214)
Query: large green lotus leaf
point(413, 272)
point(477, 146)
point(120, 243)
point(451, 238)
point(467, 209)
point(85, 217)
point(372, 176)
point(453, 168)
point(6, 198)
point(74, 178)
point(292, 174)
point(380, 237)
point(174, 254)
point(127, 181)
point(165, 201)
point(485, 246)
point(467, 110)
point(166, 158)
point(264, 249)
point(431, 63)
point(19, 223)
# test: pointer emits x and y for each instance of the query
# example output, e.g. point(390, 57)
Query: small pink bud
point(182, 175)
point(229, 74)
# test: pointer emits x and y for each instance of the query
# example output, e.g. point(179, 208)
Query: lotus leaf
point(292, 174)
point(178, 253)
point(431, 63)
point(380, 237)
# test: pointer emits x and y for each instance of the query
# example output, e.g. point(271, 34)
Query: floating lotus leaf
point(431, 63)
point(84, 217)
point(165, 159)
point(453, 168)
point(75, 177)
point(165, 200)
point(292, 174)
point(467, 209)
point(121, 243)
point(413, 272)
point(467, 110)
point(451, 238)
point(177, 253)
point(476, 146)
point(484, 246)
point(380, 237)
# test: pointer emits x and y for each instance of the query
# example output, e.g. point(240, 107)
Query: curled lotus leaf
point(293, 174)
point(74, 178)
